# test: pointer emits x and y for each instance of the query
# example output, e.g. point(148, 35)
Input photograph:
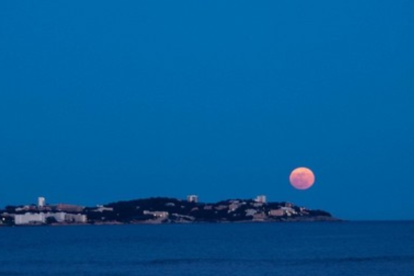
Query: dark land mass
point(163, 210)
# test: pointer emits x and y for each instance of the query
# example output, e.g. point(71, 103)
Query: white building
point(260, 199)
point(30, 218)
point(250, 212)
point(234, 206)
point(101, 208)
point(40, 218)
point(41, 201)
point(192, 198)
point(75, 218)
point(276, 213)
point(289, 211)
point(59, 217)
point(157, 214)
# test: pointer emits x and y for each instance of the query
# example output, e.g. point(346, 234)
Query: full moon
point(302, 178)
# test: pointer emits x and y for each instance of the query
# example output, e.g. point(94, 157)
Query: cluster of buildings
point(43, 214)
point(257, 209)
point(259, 198)
point(42, 218)
point(181, 212)
point(154, 210)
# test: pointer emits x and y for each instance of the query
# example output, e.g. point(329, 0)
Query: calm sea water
point(346, 248)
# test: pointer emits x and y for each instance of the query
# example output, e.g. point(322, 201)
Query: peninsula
point(161, 210)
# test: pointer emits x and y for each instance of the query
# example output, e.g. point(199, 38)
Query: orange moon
point(302, 178)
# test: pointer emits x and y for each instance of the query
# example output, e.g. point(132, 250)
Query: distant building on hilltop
point(41, 201)
point(192, 198)
point(101, 208)
point(69, 208)
point(260, 199)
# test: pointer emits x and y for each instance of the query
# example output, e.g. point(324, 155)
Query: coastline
point(162, 210)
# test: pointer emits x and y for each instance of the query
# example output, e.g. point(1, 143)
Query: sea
point(297, 248)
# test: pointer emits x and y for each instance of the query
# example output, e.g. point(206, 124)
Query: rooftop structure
point(69, 208)
point(192, 198)
point(260, 199)
point(41, 201)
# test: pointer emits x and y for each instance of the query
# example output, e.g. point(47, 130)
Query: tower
point(41, 201)
point(192, 198)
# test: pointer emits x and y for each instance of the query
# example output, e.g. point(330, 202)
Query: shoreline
point(154, 222)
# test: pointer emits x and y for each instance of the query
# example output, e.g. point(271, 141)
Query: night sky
point(103, 101)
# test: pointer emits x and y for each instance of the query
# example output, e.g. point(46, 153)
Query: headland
point(158, 210)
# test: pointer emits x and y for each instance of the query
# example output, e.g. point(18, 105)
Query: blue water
point(346, 248)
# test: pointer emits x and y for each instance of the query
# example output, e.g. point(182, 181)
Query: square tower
point(41, 201)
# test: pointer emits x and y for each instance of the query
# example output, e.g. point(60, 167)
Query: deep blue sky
point(109, 100)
